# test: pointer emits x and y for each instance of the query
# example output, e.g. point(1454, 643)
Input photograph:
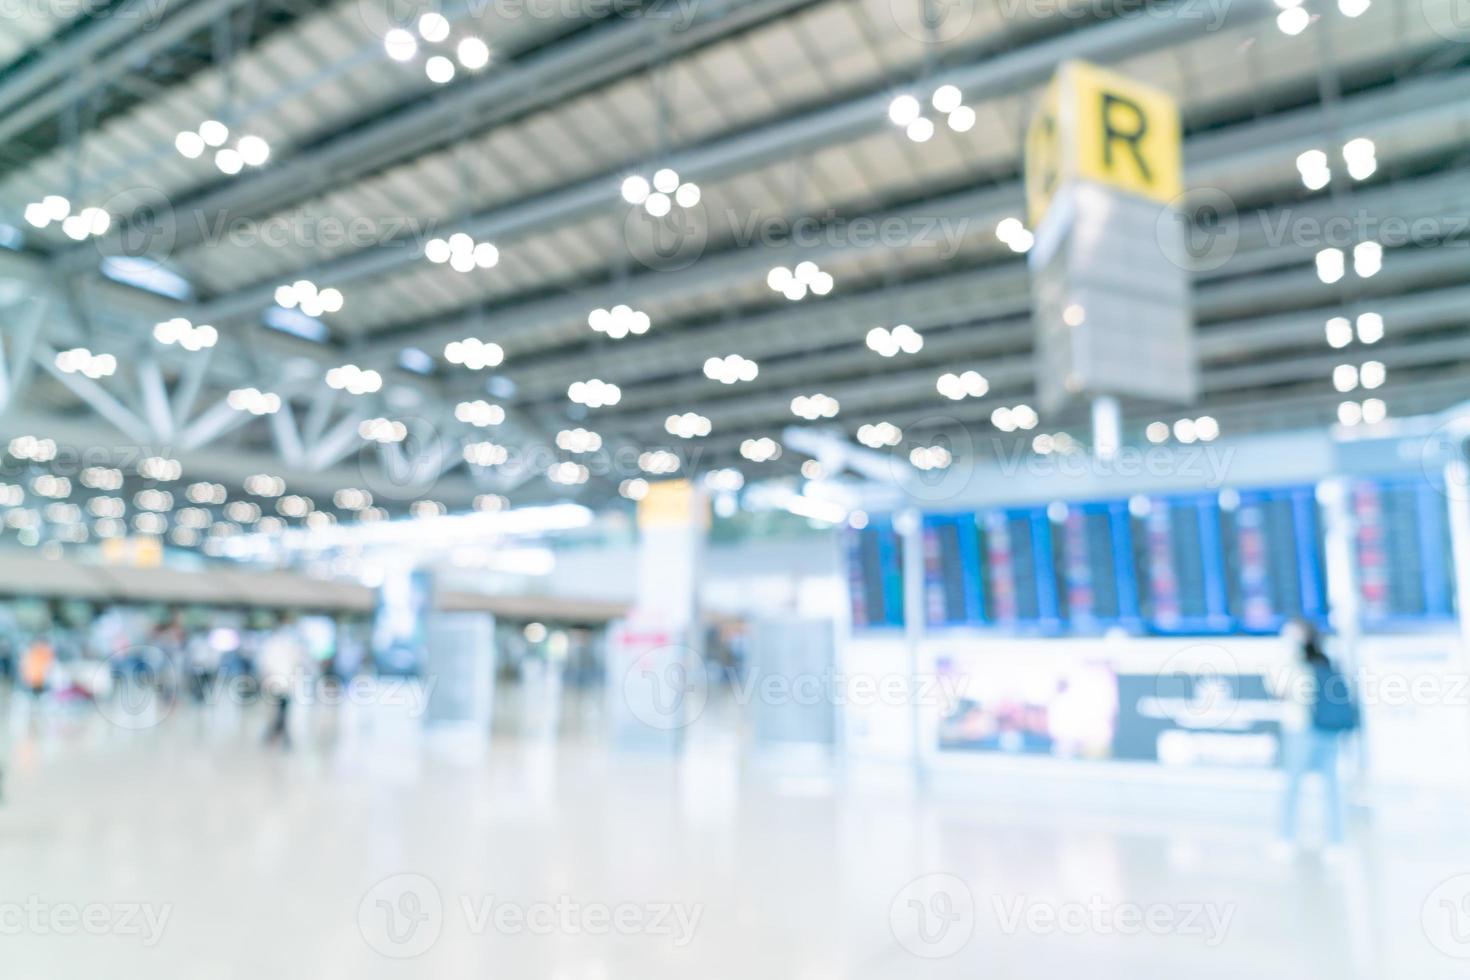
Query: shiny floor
point(188, 849)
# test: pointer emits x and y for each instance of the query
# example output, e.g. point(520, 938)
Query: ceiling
point(777, 110)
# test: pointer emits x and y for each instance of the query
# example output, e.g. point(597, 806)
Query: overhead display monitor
point(1183, 564)
point(1019, 568)
point(1405, 571)
point(1273, 550)
point(875, 575)
point(1099, 580)
point(952, 578)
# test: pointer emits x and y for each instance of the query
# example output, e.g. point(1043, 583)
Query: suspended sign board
point(1110, 294)
point(1098, 126)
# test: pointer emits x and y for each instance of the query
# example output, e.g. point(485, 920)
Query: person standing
point(280, 665)
point(35, 666)
point(1319, 709)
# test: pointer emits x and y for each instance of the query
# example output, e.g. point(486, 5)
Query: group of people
point(170, 661)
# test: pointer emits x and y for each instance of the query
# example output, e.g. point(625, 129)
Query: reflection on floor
point(186, 849)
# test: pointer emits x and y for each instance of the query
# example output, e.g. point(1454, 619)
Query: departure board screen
point(1099, 586)
point(952, 580)
point(1274, 556)
point(1403, 551)
point(1019, 568)
point(1181, 550)
point(875, 575)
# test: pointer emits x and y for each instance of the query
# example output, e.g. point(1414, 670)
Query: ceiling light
point(1345, 377)
point(433, 27)
point(479, 413)
point(1361, 157)
point(33, 449)
point(1353, 8)
point(761, 450)
point(485, 454)
point(578, 441)
point(1157, 432)
point(657, 204)
point(690, 425)
point(1367, 258)
point(921, 130)
point(102, 478)
point(794, 284)
point(382, 430)
point(634, 489)
point(229, 161)
point(253, 150)
point(962, 120)
point(214, 132)
point(1014, 234)
point(567, 473)
point(930, 457)
point(354, 380)
point(79, 360)
point(946, 98)
point(254, 401)
point(635, 189)
point(264, 485)
point(439, 69)
point(1372, 374)
point(879, 435)
point(400, 44)
point(730, 369)
point(1370, 327)
point(185, 334)
point(1349, 413)
point(1339, 332)
point(206, 493)
point(594, 393)
point(491, 503)
point(1293, 21)
point(473, 53)
point(474, 353)
point(889, 343)
point(160, 469)
point(813, 407)
point(619, 322)
point(1329, 265)
point(659, 462)
point(903, 110)
point(970, 384)
point(1374, 411)
point(189, 144)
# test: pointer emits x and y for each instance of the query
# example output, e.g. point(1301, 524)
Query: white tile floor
point(335, 860)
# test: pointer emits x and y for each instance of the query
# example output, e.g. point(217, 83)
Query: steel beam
point(1002, 74)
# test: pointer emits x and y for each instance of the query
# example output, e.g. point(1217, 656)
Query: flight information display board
point(1019, 568)
point(1182, 560)
point(952, 580)
point(1405, 571)
point(1274, 557)
point(1099, 580)
point(875, 575)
